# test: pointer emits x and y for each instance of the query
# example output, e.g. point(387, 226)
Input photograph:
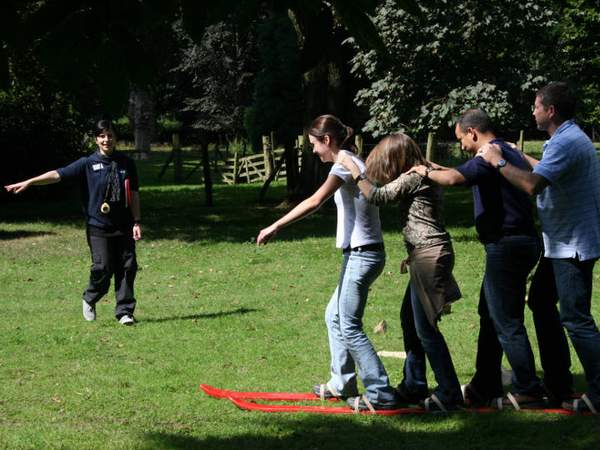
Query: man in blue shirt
point(567, 184)
point(505, 226)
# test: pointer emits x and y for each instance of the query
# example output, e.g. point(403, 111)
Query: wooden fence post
point(245, 164)
point(177, 165)
point(272, 152)
point(359, 144)
point(300, 149)
point(267, 155)
point(522, 140)
point(236, 168)
point(430, 151)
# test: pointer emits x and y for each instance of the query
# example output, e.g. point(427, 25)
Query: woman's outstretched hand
point(17, 188)
point(266, 234)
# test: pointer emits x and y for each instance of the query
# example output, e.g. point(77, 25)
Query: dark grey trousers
point(112, 256)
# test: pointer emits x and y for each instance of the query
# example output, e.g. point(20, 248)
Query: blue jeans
point(508, 262)
point(434, 345)
point(552, 340)
point(348, 343)
point(574, 287)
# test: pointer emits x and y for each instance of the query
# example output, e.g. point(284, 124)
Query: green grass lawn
point(213, 308)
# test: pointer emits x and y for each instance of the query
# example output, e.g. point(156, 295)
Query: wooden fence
point(257, 168)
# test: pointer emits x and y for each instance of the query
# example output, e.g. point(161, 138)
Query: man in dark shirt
point(109, 184)
point(505, 226)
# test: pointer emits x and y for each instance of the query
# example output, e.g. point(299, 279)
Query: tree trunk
point(323, 94)
point(326, 79)
point(292, 171)
point(206, 172)
point(177, 162)
point(143, 119)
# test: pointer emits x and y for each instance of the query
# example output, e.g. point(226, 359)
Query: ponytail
point(328, 125)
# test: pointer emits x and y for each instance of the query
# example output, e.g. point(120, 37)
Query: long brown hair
point(392, 156)
point(329, 125)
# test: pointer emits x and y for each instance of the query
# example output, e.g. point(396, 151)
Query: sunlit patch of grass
point(213, 308)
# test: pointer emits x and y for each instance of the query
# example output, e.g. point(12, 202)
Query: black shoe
point(408, 398)
point(473, 399)
point(435, 405)
point(581, 405)
point(524, 401)
point(555, 399)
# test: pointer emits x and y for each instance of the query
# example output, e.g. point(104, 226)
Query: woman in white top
point(360, 238)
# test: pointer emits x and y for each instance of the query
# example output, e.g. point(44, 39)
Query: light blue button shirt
point(569, 208)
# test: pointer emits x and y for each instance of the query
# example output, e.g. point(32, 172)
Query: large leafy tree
point(119, 42)
point(105, 48)
point(451, 56)
point(39, 128)
point(277, 89)
point(579, 40)
point(112, 43)
point(211, 83)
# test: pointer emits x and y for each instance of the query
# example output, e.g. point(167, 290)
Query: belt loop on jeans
point(365, 248)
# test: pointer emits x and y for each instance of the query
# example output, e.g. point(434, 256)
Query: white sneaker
point(89, 311)
point(126, 320)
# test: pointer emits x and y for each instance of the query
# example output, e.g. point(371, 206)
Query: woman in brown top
point(430, 259)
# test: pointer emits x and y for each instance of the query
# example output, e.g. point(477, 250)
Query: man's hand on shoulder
point(490, 153)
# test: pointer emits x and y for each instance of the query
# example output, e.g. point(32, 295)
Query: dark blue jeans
point(434, 346)
point(552, 340)
point(508, 262)
point(487, 380)
point(414, 381)
point(574, 287)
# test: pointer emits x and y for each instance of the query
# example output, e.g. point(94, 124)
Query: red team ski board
point(247, 400)
point(313, 409)
point(268, 396)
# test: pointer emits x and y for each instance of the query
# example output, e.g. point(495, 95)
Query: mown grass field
point(213, 308)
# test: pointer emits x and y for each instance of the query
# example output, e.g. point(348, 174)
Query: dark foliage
point(211, 84)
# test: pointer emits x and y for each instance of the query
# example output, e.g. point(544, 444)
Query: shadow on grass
point(235, 312)
point(18, 234)
point(459, 431)
point(178, 212)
